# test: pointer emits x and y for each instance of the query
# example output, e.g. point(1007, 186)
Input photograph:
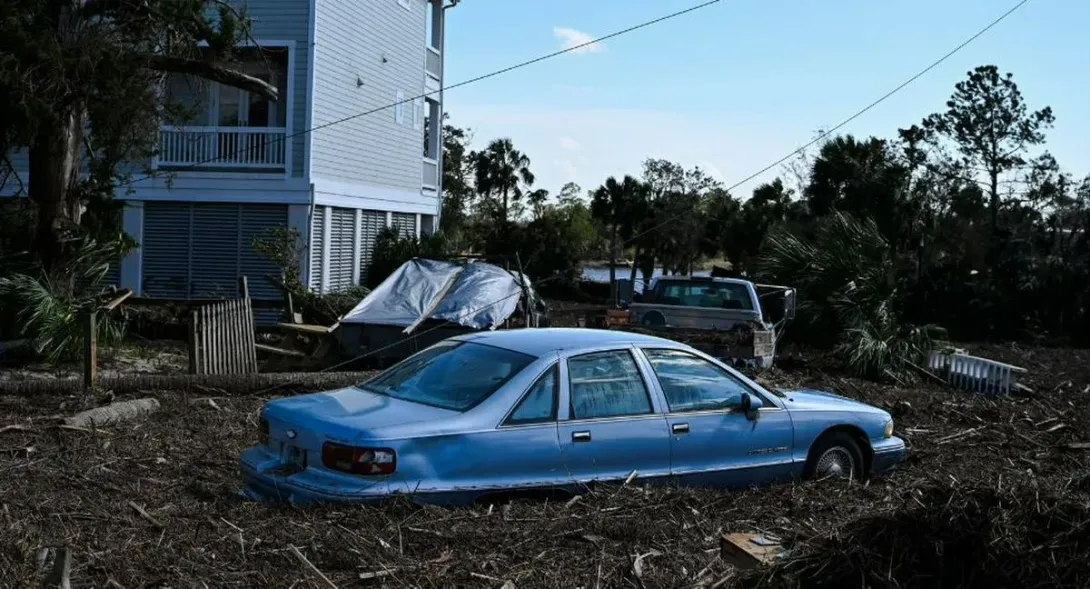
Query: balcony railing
point(226, 148)
point(433, 62)
point(431, 173)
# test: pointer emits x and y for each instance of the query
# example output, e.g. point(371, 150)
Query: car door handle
point(680, 428)
point(580, 436)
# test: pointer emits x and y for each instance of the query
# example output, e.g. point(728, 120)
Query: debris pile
point(946, 536)
point(153, 502)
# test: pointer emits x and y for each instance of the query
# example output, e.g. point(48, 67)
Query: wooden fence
point(972, 373)
point(221, 336)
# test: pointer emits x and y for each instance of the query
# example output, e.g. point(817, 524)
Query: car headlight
point(889, 429)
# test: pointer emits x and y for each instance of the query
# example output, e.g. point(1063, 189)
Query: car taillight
point(366, 461)
point(263, 432)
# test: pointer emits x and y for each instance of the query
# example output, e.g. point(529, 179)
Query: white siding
point(381, 44)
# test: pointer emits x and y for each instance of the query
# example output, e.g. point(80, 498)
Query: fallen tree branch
point(113, 413)
point(144, 514)
point(312, 568)
point(213, 72)
point(62, 566)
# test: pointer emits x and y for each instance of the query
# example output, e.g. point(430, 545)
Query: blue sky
point(738, 85)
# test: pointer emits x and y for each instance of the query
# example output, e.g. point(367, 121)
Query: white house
point(318, 160)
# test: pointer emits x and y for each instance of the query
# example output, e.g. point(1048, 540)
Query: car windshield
point(449, 375)
point(707, 294)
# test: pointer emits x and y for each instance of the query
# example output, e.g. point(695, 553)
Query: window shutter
point(406, 224)
point(341, 241)
point(418, 114)
point(317, 235)
point(371, 223)
point(166, 247)
point(399, 110)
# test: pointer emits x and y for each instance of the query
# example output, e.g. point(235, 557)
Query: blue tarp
point(476, 295)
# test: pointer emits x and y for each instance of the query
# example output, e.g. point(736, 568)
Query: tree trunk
point(55, 162)
point(994, 202)
point(635, 267)
point(613, 266)
point(505, 207)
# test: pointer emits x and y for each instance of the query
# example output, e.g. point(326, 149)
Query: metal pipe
point(442, 110)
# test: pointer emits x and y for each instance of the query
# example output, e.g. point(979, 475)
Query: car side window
point(607, 384)
point(538, 405)
point(691, 383)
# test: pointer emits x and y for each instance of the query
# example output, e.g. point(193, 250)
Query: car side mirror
point(790, 300)
point(752, 413)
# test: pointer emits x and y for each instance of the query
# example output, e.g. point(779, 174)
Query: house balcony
point(236, 149)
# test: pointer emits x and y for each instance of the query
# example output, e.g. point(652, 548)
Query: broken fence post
point(194, 339)
point(90, 351)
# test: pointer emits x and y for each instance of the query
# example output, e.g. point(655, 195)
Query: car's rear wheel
point(654, 319)
point(835, 454)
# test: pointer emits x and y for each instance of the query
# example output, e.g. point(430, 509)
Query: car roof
point(708, 279)
point(544, 340)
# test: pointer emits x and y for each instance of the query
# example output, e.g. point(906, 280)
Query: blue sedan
point(555, 410)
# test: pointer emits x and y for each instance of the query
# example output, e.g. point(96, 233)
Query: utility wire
point(821, 136)
point(848, 120)
point(480, 78)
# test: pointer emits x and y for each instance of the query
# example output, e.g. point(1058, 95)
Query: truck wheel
point(654, 319)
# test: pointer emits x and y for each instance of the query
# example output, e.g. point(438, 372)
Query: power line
point(732, 187)
point(480, 78)
point(857, 114)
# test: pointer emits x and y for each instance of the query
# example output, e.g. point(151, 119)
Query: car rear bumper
point(888, 453)
point(262, 481)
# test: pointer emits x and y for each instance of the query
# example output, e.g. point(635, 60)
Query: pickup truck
point(749, 317)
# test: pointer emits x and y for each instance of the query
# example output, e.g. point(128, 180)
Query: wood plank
point(206, 339)
point(110, 306)
point(90, 352)
point(280, 351)
point(221, 338)
point(234, 350)
point(307, 328)
point(748, 551)
point(251, 342)
point(194, 341)
point(231, 335)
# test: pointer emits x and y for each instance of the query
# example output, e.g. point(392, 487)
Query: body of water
point(598, 274)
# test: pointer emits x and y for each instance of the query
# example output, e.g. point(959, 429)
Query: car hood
point(814, 400)
point(351, 412)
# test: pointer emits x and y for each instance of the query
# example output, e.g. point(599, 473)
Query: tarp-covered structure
point(475, 295)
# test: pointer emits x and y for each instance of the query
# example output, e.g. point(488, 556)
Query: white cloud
point(570, 144)
point(572, 38)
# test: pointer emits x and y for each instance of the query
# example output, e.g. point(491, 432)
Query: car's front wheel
point(835, 454)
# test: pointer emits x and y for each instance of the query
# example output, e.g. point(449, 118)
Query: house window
point(197, 102)
point(434, 14)
point(431, 139)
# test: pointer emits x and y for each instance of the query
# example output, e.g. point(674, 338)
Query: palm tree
point(619, 206)
point(537, 199)
point(503, 171)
